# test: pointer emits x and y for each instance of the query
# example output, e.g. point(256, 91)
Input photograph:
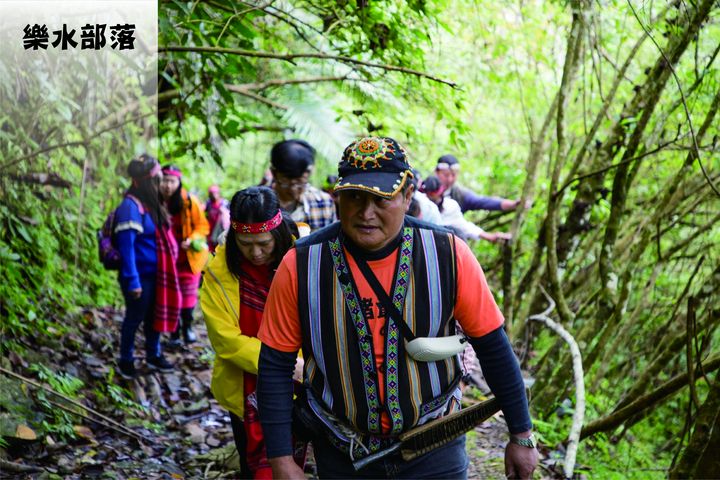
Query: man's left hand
point(520, 461)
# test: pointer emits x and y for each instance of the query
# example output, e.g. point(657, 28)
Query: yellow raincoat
point(235, 353)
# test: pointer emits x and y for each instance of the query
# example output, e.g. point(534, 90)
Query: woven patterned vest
point(337, 345)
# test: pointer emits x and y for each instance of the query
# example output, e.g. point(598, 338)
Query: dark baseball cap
point(377, 165)
point(448, 161)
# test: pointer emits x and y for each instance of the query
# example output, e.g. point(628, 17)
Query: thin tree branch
point(620, 71)
point(615, 165)
point(694, 236)
point(255, 96)
point(289, 57)
point(263, 128)
point(616, 418)
point(18, 467)
point(87, 417)
point(240, 14)
point(70, 144)
point(579, 412)
point(682, 97)
point(691, 327)
point(602, 113)
point(287, 81)
point(76, 403)
point(51, 179)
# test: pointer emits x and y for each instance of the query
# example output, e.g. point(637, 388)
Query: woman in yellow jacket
point(191, 229)
point(235, 286)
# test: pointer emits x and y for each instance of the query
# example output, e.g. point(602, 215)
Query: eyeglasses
point(292, 184)
point(455, 167)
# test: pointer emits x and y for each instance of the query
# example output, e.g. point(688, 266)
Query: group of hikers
point(337, 317)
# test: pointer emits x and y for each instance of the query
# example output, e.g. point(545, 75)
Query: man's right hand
point(286, 468)
point(137, 293)
point(298, 372)
point(496, 237)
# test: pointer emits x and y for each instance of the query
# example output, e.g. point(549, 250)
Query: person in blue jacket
point(135, 237)
point(447, 170)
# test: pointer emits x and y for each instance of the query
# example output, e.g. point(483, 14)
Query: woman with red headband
point(236, 284)
point(191, 229)
point(147, 276)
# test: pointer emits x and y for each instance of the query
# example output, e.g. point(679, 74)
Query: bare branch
point(615, 165)
point(117, 426)
point(19, 468)
point(263, 128)
point(579, 412)
point(70, 144)
point(287, 81)
point(682, 97)
point(240, 14)
point(255, 96)
point(289, 57)
point(52, 179)
point(615, 419)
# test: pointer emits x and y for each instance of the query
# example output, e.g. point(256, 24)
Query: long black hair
point(253, 205)
point(175, 202)
point(146, 188)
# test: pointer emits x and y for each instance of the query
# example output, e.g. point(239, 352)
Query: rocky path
point(180, 431)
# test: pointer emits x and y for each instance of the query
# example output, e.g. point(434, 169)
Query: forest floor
point(180, 431)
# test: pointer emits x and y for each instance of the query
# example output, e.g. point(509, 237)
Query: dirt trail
point(187, 435)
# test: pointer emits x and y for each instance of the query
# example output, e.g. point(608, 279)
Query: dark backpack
point(109, 254)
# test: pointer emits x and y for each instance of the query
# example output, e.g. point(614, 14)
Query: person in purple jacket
point(447, 170)
point(136, 220)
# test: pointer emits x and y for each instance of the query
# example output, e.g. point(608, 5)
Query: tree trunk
point(700, 458)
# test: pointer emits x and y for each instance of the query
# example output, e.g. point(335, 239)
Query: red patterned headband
point(174, 173)
point(260, 227)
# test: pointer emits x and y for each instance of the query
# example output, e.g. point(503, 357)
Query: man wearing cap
point(451, 215)
point(291, 164)
point(357, 297)
point(447, 170)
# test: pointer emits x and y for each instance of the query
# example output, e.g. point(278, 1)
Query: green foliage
point(551, 433)
point(220, 112)
point(328, 113)
point(61, 154)
point(114, 398)
point(624, 460)
point(39, 254)
point(56, 420)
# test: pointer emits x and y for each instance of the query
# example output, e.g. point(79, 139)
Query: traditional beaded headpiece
point(377, 165)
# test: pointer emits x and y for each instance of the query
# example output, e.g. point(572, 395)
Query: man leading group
point(353, 296)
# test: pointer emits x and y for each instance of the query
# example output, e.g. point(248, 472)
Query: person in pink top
point(217, 212)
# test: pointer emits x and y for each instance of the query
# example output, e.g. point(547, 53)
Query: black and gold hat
point(377, 165)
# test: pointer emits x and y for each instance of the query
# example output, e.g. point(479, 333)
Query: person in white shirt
point(451, 214)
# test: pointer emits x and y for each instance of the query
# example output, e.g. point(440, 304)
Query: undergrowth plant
point(54, 419)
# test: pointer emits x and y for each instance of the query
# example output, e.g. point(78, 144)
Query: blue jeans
point(137, 311)
point(447, 462)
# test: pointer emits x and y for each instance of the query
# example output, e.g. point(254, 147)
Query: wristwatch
point(528, 442)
